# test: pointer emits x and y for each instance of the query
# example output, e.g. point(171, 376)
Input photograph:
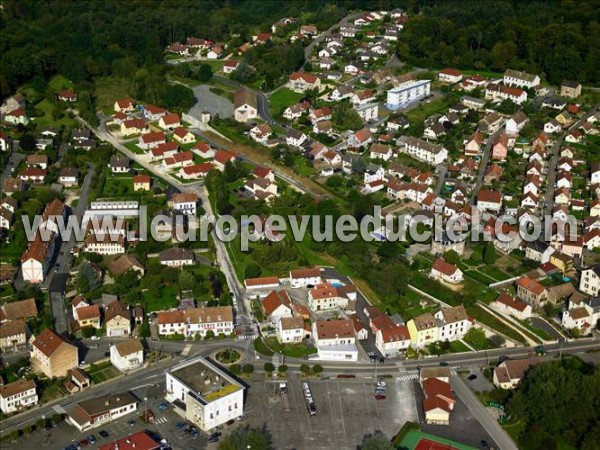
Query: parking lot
point(346, 411)
point(463, 426)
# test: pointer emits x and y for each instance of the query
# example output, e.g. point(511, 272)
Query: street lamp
point(146, 408)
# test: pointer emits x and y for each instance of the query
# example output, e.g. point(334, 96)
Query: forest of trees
point(559, 403)
point(559, 40)
point(84, 40)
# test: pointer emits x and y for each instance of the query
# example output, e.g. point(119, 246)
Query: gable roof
point(274, 300)
point(444, 267)
point(332, 329)
point(48, 342)
point(530, 285)
point(245, 97)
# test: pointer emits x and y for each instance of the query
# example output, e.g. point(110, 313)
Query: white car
point(95, 338)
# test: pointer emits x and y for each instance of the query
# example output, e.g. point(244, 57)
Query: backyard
point(281, 99)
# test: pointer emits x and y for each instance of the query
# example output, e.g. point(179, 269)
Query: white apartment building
point(407, 93)
point(303, 277)
point(18, 395)
point(520, 79)
point(204, 394)
point(185, 203)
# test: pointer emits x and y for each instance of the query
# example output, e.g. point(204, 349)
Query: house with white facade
point(18, 395)
point(99, 411)
point(127, 355)
point(442, 270)
point(303, 277)
point(590, 281)
point(422, 150)
point(196, 322)
point(335, 340)
point(290, 330)
point(520, 79)
point(393, 340)
point(453, 323)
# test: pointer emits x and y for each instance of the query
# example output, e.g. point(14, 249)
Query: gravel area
point(213, 103)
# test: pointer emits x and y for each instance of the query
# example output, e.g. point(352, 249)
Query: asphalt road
point(483, 165)
point(548, 328)
point(491, 426)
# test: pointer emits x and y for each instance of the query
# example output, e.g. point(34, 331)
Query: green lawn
point(110, 89)
point(46, 107)
point(478, 276)
point(283, 98)
point(486, 318)
point(413, 437)
point(419, 113)
point(102, 372)
point(260, 347)
point(291, 350)
point(159, 300)
point(118, 187)
point(494, 272)
point(59, 82)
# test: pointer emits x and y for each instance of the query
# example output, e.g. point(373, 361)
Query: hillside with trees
point(559, 40)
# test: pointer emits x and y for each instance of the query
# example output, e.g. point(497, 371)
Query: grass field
point(110, 89)
point(283, 98)
point(46, 107)
point(423, 110)
point(157, 301)
point(102, 372)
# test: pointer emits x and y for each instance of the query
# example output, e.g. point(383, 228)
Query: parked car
point(471, 377)
point(503, 358)
point(163, 405)
point(131, 423)
point(103, 433)
point(380, 397)
point(180, 425)
point(91, 439)
point(95, 338)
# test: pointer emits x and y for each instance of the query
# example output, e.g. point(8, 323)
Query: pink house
point(500, 148)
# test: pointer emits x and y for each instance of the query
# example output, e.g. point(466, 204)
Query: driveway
point(542, 324)
point(211, 102)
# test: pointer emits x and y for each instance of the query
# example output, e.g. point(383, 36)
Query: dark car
point(471, 377)
point(103, 433)
point(484, 444)
point(503, 358)
point(180, 425)
point(163, 405)
point(443, 363)
point(213, 437)
point(131, 423)
point(91, 439)
point(84, 442)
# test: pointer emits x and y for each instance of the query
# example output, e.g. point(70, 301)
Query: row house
point(425, 151)
point(196, 322)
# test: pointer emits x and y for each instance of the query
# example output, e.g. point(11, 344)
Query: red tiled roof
point(530, 285)
point(444, 267)
point(274, 300)
point(511, 302)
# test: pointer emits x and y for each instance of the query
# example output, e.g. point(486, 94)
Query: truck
point(310, 403)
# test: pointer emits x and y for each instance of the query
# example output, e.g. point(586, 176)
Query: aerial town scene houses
point(330, 111)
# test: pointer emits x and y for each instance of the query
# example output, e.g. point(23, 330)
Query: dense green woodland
point(559, 403)
point(83, 40)
point(558, 40)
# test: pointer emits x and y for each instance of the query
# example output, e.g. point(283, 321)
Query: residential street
point(489, 423)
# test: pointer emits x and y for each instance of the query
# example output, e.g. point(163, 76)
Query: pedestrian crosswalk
point(160, 420)
point(407, 377)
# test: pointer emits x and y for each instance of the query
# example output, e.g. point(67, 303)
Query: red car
point(84, 442)
point(380, 397)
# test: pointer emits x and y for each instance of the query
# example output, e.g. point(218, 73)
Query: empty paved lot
point(346, 411)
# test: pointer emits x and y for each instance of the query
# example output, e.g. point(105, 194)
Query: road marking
point(59, 409)
point(413, 376)
point(186, 350)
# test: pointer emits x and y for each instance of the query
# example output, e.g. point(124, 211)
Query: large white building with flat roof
point(407, 93)
point(204, 394)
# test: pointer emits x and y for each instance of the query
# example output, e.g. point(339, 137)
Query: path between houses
point(510, 323)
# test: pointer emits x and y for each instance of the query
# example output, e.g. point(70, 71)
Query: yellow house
point(183, 136)
point(88, 316)
point(423, 330)
point(141, 182)
point(563, 262)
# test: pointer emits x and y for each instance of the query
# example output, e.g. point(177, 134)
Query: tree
point(27, 142)
point(317, 369)
point(235, 369)
point(476, 337)
point(205, 73)
point(282, 369)
point(377, 441)
point(178, 98)
point(252, 270)
point(248, 369)
point(244, 438)
point(269, 368)
point(452, 257)
point(304, 369)
point(489, 253)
